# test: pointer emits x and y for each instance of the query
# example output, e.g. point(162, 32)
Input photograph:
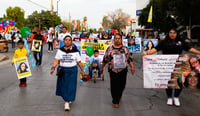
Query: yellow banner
point(24, 74)
point(96, 46)
point(20, 60)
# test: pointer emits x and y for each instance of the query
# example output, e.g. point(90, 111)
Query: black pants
point(117, 85)
point(13, 44)
point(50, 44)
point(23, 80)
point(177, 92)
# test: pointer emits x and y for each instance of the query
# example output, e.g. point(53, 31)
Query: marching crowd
point(117, 57)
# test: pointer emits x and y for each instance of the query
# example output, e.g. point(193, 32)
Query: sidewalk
point(3, 57)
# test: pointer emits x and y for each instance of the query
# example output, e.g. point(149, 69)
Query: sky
point(93, 9)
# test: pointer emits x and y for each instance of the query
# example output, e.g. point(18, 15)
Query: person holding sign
point(19, 53)
point(117, 57)
point(172, 44)
point(67, 57)
point(38, 41)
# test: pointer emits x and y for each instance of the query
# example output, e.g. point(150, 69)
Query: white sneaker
point(67, 108)
point(176, 102)
point(169, 101)
point(48, 51)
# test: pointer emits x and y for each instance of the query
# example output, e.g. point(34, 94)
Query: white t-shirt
point(17, 37)
point(95, 35)
point(62, 35)
point(68, 59)
point(95, 59)
point(50, 38)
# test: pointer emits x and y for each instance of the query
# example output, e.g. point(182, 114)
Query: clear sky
point(93, 9)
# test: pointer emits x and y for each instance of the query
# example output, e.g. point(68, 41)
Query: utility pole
point(57, 5)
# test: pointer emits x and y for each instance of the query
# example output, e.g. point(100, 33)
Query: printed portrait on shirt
point(119, 61)
point(36, 46)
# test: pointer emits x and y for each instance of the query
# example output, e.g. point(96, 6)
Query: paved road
point(39, 99)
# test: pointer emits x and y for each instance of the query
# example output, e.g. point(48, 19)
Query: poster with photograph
point(171, 71)
point(36, 45)
point(97, 46)
point(125, 42)
point(119, 61)
point(149, 44)
point(22, 67)
point(78, 45)
point(134, 45)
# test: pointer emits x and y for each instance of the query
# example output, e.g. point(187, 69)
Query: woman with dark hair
point(194, 63)
point(68, 58)
point(22, 68)
point(129, 36)
point(131, 45)
point(172, 44)
point(149, 46)
point(193, 80)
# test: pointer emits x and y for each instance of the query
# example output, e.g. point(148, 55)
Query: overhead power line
point(38, 4)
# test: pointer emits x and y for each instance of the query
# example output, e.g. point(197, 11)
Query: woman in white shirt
point(67, 57)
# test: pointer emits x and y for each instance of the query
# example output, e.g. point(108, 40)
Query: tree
point(117, 19)
point(16, 14)
point(42, 20)
point(171, 13)
point(105, 22)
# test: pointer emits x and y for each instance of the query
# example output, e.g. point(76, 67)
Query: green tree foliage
point(16, 14)
point(42, 20)
point(171, 13)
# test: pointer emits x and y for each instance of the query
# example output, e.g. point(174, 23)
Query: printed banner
point(36, 45)
point(22, 67)
point(134, 45)
point(97, 46)
point(149, 44)
point(171, 71)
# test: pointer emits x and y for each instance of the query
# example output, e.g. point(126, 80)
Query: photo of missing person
point(131, 42)
point(36, 46)
point(119, 61)
point(192, 80)
point(149, 44)
point(22, 68)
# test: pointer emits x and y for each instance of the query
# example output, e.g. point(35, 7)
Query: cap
point(38, 30)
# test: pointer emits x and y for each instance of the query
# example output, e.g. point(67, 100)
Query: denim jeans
point(97, 68)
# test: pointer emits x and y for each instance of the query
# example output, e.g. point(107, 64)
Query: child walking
point(19, 53)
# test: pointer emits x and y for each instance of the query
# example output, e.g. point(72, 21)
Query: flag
point(69, 22)
point(150, 15)
point(75, 25)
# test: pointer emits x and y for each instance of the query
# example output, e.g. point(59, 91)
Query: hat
point(38, 30)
